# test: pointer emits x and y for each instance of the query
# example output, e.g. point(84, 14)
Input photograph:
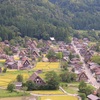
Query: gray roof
point(18, 83)
point(93, 97)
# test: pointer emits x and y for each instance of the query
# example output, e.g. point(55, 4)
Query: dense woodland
point(47, 18)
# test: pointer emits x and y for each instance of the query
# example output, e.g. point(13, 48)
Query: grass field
point(48, 92)
point(5, 93)
point(47, 65)
point(58, 98)
point(72, 88)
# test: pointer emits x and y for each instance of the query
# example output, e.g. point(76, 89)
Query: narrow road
point(87, 71)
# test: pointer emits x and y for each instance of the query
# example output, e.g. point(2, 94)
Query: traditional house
point(36, 79)
point(9, 59)
point(25, 63)
point(14, 49)
point(22, 53)
point(87, 56)
point(6, 42)
point(3, 56)
point(12, 65)
point(93, 97)
point(35, 54)
point(18, 85)
point(82, 77)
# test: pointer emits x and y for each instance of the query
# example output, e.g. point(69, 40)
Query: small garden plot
point(58, 92)
point(47, 65)
point(58, 98)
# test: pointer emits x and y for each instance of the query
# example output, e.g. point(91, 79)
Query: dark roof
point(34, 76)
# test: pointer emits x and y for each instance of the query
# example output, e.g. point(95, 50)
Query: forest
point(47, 18)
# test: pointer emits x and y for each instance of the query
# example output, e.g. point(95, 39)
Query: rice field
point(58, 98)
point(47, 65)
point(51, 92)
point(2, 60)
point(6, 78)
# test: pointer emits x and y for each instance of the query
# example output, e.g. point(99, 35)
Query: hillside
point(45, 18)
point(84, 14)
point(34, 18)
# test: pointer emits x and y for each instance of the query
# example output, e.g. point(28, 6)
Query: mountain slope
point(45, 18)
point(34, 18)
point(84, 14)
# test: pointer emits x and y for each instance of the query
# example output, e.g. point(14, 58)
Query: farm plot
point(51, 92)
point(6, 78)
point(58, 98)
point(47, 65)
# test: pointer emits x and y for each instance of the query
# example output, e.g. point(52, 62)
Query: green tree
point(30, 85)
point(68, 77)
point(19, 78)
point(51, 54)
point(82, 95)
point(4, 70)
point(88, 90)
point(0, 39)
point(11, 87)
point(52, 80)
point(96, 59)
point(59, 55)
point(82, 87)
point(64, 65)
point(71, 56)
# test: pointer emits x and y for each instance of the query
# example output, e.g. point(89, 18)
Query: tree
point(51, 54)
point(71, 56)
point(0, 39)
point(30, 85)
point(19, 78)
point(96, 59)
point(88, 90)
point(11, 87)
point(68, 77)
point(82, 95)
point(82, 87)
point(4, 70)
point(52, 80)
point(59, 55)
point(64, 65)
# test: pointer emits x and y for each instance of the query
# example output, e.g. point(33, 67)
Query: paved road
point(87, 71)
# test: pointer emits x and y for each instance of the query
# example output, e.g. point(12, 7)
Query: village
point(37, 57)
